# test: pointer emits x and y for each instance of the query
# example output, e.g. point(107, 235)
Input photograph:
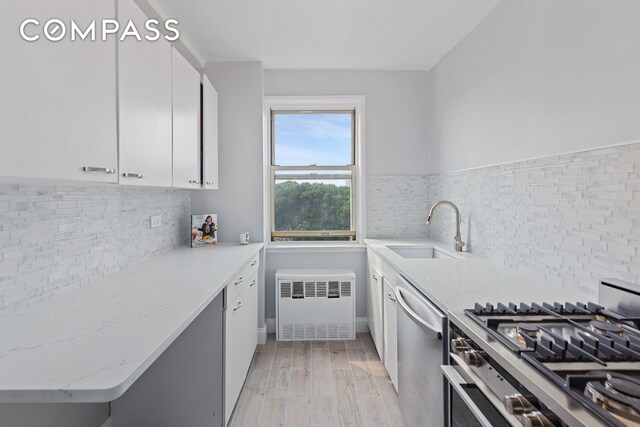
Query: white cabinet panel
point(58, 102)
point(144, 90)
point(251, 340)
point(210, 135)
point(374, 304)
point(186, 122)
point(233, 363)
point(390, 332)
point(241, 335)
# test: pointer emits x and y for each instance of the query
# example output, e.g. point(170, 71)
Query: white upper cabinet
point(209, 135)
point(144, 89)
point(58, 99)
point(186, 123)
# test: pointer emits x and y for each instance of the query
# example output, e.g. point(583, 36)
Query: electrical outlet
point(155, 221)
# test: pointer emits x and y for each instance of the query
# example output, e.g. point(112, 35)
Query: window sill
point(289, 247)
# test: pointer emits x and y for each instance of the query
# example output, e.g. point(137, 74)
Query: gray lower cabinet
point(53, 414)
point(184, 387)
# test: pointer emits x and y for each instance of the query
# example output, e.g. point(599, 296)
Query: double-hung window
point(313, 173)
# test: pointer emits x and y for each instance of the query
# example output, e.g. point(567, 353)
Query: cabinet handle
point(391, 297)
point(194, 181)
point(238, 306)
point(240, 279)
point(253, 282)
point(97, 169)
point(133, 175)
point(209, 182)
point(254, 263)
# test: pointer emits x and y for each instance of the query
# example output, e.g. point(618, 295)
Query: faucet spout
point(458, 244)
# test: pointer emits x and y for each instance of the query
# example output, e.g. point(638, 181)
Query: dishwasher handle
point(435, 329)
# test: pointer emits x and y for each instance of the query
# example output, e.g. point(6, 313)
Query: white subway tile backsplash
point(54, 236)
point(572, 219)
point(397, 205)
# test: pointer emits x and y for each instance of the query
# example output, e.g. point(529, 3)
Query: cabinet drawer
point(244, 278)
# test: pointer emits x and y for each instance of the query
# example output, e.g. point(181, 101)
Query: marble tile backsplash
point(397, 205)
point(572, 218)
point(54, 236)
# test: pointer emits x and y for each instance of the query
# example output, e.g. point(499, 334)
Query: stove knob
point(473, 358)
point(517, 404)
point(458, 345)
point(536, 419)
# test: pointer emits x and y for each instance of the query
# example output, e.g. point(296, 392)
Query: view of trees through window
point(312, 173)
point(308, 206)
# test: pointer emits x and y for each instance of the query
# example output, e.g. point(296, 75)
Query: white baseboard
point(271, 325)
point(362, 325)
point(262, 335)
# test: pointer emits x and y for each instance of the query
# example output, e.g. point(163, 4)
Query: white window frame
point(334, 103)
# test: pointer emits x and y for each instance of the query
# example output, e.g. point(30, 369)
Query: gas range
point(592, 351)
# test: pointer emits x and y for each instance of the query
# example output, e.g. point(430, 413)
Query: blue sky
point(304, 139)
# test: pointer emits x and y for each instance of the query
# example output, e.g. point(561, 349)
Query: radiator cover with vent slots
point(315, 305)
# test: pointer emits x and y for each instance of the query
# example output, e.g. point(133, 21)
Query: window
point(313, 175)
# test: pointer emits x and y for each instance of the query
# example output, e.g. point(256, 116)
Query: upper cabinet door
point(210, 135)
point(58, 99)
point(186, 123)
point(144, 89)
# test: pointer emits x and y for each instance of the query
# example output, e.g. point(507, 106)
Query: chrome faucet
point(457, 239)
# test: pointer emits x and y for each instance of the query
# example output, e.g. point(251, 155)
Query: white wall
point(396, 107)
point(395, 151)
point(238, 202)
point(537, 78)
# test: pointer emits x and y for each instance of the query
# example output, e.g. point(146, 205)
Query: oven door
point(468, 406)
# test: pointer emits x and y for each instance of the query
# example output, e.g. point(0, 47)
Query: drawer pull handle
point(254, 263)
point(240, 279)
point(209, 182)
point(194, 181)
point(97, 169)
point(253, 282)
point(132, 175)
point(238, 306)
point(390, 296)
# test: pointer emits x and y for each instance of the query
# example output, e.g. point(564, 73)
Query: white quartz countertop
point(458, 283)
point(90, 344)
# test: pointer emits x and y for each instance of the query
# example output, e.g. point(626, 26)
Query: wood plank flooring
point(317, 384)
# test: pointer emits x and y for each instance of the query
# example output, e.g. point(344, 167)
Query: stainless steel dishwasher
point(421, 329)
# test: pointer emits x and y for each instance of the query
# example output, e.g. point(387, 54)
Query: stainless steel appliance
point(580, 362)
point(421, 332)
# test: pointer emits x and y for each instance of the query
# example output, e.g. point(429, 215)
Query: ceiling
point(326, 34)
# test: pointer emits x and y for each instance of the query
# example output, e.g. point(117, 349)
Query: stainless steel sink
point(418, 252)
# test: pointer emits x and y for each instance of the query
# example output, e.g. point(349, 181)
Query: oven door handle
point(456, 381)
point(403, 303)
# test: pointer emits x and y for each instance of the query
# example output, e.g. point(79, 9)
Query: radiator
point(315, 305)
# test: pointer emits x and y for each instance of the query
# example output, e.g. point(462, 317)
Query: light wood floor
point(317, 383)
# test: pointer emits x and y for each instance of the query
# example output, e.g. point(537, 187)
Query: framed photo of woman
point(204, 230)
